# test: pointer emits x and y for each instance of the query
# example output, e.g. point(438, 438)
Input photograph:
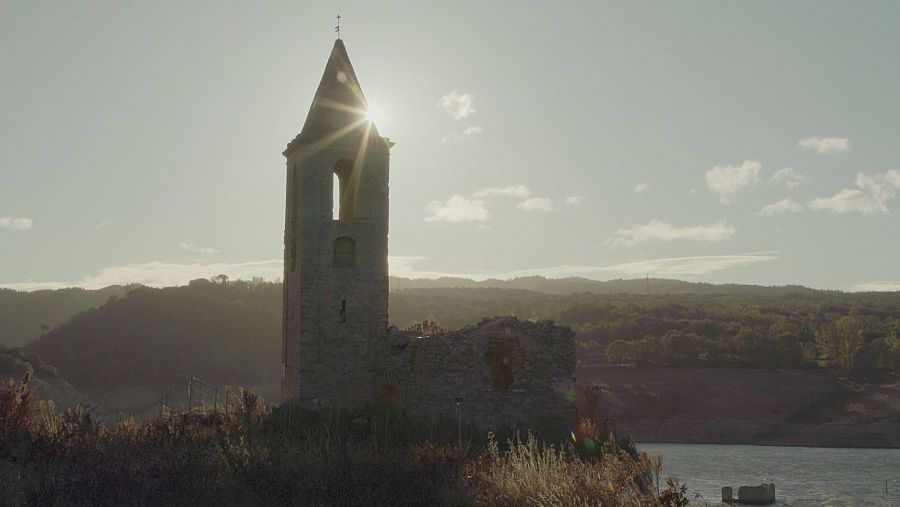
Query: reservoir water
point(803, 476)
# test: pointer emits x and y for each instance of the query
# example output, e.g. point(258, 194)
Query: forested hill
point(230, 332)
point(225, 333)
point(24, 316)
point(574, 285)
point(854, 333)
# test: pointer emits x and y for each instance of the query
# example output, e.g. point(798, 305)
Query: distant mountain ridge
point(572, 285)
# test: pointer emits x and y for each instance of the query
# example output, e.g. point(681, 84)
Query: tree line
point(229, 332)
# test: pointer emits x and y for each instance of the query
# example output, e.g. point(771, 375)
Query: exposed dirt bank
point(734, 406)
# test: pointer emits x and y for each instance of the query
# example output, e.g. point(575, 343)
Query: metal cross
point(337, 27)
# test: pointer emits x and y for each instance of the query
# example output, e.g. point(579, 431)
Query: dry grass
point(253, 455)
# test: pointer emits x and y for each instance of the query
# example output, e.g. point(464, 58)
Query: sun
point(373, 114)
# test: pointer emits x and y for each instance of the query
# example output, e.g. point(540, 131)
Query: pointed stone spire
point(339, 102)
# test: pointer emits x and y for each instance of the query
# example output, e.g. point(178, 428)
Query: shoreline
point(644, 442)
point(755, 407)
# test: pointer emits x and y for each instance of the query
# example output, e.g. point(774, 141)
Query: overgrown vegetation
point(15, 362)
point(254, 455)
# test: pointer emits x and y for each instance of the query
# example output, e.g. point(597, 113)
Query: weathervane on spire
point(337, 27)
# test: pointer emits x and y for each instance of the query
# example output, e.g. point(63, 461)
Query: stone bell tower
point(335, 248)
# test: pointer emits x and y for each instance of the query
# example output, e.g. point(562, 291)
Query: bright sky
point(752, 142)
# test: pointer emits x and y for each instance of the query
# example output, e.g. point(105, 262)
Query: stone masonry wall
point(505, 371)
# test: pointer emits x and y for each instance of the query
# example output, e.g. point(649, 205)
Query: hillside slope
point(223, 333)
point(748, 406)
point(23, 313)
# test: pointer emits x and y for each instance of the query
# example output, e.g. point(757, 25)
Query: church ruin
point(337, 349)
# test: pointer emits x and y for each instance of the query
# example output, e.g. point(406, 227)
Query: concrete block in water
point(764, 494)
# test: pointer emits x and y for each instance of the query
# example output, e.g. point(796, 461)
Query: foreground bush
point(252, 455)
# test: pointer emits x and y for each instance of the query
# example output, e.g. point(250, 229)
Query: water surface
point(803, 476)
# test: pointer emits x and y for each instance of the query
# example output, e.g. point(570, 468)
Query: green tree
point(619, 352)
point(829, 344)
point(850, 333)
point(893, 346)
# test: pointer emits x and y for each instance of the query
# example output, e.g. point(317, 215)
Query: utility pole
point(189, 382)
point(459, 420)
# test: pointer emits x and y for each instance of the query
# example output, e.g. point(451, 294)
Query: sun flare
point(373, 114)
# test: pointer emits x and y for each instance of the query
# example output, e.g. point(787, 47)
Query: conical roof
point(339, 103)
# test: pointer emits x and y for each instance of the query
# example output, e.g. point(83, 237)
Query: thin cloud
point(656, 231)
point(507, 191)
point(727, 180)
point(474, 130)
point(407, 266)
point(825, 145)
point(474, 208)
point(167, 274)
point(457, 105)
point(16, 223)
point(197, 249)
point(782, 206)
point(575, 200)
point(690, 266)
point(878, 286)
point(162, 274)
point(641, 187)
point(870, 197)
point(789, 177)
point(457, 208)
point(537, 204)
point(101, 224)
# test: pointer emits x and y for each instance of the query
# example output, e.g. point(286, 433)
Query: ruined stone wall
point(505, 371)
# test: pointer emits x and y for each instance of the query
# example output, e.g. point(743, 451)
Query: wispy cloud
point(166, 274)
point(825, 145)
point(197, 249)
point(537, 204)
point(16, 223)
point(878, 286)
point(457, 208)
point(789, 177)
point(575, 200)
point(474, 130)
point(690, 266)
point(641, 187)
point(656, 231)
point(870, 197)
point(507, 191)
point(475, 207)
point(101, 224)
point(727, 180)
point(407, 266)
point(457, 105)
point(782, 206)
point(162, 274)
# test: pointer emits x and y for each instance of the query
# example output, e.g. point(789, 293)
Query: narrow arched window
point(343, 190)
point(344, 253)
